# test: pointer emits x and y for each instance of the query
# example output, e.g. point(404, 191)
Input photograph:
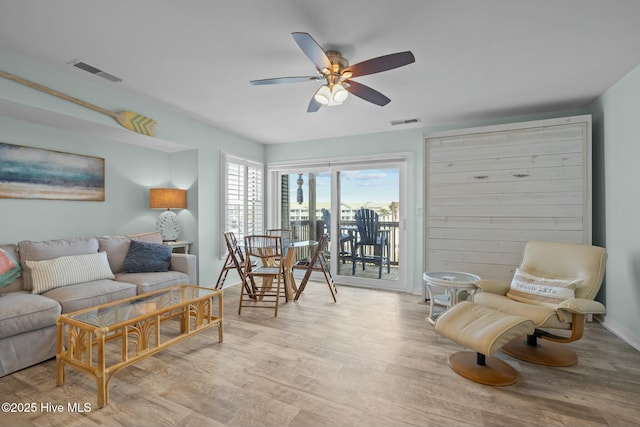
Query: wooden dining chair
point(266, 252)
point(319, 263)
point(286, 234)
point(235, 261)
point(231, 262)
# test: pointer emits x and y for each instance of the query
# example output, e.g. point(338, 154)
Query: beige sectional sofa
point(61, 276)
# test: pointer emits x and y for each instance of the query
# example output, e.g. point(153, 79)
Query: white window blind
point(242, 211)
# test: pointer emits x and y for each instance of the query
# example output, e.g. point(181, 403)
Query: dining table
point(290, 249)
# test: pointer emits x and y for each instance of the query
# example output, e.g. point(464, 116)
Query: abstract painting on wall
point(36, 173)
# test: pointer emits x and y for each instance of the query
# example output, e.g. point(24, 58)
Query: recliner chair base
point(493, 372)
point(547, 353)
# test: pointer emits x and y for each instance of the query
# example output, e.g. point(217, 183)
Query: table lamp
point(168, 198)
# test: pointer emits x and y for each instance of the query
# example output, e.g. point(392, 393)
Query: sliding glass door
point(368, 223)
point(304, 198)
point(359, 204)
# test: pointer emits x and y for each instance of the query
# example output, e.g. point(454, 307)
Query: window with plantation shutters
point(242, 211)
point(253, 199)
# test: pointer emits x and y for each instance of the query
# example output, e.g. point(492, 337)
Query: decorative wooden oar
point(132, 121)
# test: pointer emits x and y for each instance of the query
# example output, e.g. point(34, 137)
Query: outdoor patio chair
point(346, 239)
point(372, 242)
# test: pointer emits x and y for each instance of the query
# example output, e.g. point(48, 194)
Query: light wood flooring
point(369, 360)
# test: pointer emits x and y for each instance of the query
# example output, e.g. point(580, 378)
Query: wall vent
point(403, 122)
point(93, 70)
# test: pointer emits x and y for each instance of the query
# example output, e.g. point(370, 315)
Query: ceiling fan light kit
point(332, 67)
point(331, 96)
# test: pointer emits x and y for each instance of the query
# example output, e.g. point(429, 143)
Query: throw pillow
point(526, 287)
point(145, 257)
point(49, 249)
point(9, 268)
point(68, 270)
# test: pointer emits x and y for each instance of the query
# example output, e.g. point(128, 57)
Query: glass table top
point(302, 243)
point(111, 314)
point(450, 277)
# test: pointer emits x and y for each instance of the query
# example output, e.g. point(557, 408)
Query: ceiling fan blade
point(367, 93)
point(313, 105)
point(381, 63)
point(279, 80)
point(312, 49)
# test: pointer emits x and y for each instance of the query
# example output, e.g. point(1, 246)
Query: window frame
point(402, 160)
point(251, 220)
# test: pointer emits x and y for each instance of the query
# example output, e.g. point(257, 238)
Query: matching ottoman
point(485, 331)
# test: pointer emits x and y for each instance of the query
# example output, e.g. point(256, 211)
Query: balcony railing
point(302, 231)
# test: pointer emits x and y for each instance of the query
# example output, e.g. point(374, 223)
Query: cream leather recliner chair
point(543, 291)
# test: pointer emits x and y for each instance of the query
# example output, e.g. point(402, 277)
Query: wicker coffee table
point(103, 339)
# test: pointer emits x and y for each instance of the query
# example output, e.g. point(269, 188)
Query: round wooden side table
point(453, 284)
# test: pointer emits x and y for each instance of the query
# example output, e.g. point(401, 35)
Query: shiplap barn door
point(489, 190)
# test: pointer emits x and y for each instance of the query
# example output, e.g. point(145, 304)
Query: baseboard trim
point(620, 331)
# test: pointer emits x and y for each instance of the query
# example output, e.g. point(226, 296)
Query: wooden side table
point(179, 246)
point(454, 283)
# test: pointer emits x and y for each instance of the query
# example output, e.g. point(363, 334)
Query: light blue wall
point(210, 143)
point(130, 170)
point(127, 179)
point(616, 117)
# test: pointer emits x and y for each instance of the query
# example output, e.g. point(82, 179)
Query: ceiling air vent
point(93, 70)
point(403, 122)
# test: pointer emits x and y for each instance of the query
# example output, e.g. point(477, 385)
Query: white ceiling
point(475, 59)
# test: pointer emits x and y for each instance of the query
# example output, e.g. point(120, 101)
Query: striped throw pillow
point(68, 270)
point(526, 287)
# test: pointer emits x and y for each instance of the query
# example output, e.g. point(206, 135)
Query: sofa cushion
point(145, 257)
point(151, 237)
point(9, 268)
point(22, 312)
point(116, 248)
point(85, 295)
point(148, 282)
point(68, 270)
point(526, 287)
point(36, 251)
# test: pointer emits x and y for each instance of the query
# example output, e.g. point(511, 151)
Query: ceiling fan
point(334, 69)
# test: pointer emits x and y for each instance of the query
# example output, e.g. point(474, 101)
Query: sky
point(380, 186)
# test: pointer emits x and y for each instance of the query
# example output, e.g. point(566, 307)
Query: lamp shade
point(167, 198)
